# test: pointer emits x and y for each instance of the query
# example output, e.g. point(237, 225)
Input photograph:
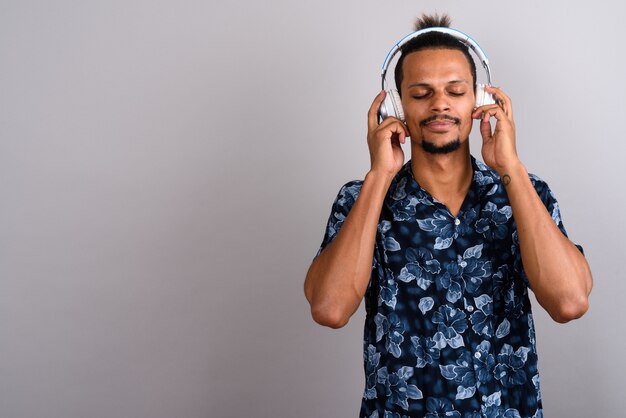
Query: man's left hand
point(499, 151)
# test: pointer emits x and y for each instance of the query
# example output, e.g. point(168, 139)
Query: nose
point(439, 102)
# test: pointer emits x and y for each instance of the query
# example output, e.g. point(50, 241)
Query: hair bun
point(434, 20)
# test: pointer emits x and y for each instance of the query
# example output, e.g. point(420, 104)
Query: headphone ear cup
point(391, 106)
point(397, 104)
point(482, 97)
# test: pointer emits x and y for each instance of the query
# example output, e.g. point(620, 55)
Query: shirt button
point(457, 221)
point(477, 354)
point(470, 308)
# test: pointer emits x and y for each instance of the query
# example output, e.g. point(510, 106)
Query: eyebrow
point(428, 85)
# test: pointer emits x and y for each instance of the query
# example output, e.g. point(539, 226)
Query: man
point(443, 250)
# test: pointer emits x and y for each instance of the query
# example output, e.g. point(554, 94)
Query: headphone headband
point(457, 34)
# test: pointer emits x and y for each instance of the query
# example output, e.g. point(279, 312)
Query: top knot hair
point(434, 20)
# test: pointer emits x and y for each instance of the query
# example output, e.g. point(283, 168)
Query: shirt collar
point(484, 181)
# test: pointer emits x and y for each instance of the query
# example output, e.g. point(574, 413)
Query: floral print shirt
point(449, 330)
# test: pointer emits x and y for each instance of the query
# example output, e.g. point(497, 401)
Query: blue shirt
point(449, 330)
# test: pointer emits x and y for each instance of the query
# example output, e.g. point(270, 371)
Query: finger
point(392, 126)
point(402, 136)
point(372, 114)
point(500, 93)
point(502, 100)
point(496, 112)
point(485, 129)
point(397, 140)
point(479, 112)
point(402, 130)
point(390, 120)
point(487, 111)
point(397, 133)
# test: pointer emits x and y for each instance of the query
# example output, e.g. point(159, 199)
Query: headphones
point(392, 105)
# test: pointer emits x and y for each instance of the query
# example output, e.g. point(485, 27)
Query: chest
point(421, 244)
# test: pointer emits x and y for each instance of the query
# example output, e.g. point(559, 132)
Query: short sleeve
point(341, 207)
point(552, 205)
point(550, 202)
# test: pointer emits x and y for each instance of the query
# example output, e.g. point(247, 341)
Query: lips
point(440, 125)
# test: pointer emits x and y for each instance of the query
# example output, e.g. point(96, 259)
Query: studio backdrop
point(167, 169)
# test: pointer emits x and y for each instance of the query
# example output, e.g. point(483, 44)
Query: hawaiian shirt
point(449, 330)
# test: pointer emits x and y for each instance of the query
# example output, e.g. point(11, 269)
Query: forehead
point(436, 64)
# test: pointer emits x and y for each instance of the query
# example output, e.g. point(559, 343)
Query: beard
point(447, 148)
point(431, 148)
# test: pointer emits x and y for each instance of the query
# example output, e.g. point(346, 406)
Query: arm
point(557, 271)
point(337, 279)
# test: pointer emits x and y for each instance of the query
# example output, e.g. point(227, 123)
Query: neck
point(447, 177)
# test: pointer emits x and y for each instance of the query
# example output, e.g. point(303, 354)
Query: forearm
point(557, 272)
point(338, 277)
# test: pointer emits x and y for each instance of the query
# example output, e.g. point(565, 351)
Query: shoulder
point(351, 188)
point(545, 193)
point(348, 193)
point(547, 197)
point(538, 183)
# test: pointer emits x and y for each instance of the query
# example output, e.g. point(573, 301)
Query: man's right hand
point(383, 141)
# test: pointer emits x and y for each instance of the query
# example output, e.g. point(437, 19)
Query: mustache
point(439, 117)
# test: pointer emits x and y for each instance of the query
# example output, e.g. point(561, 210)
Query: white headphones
point(392, 105)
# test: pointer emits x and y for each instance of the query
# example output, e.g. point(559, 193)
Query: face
point(438, 98)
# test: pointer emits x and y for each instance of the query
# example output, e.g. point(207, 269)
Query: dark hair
point(432, 40)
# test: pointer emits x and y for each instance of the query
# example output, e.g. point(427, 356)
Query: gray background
point(167, 169)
